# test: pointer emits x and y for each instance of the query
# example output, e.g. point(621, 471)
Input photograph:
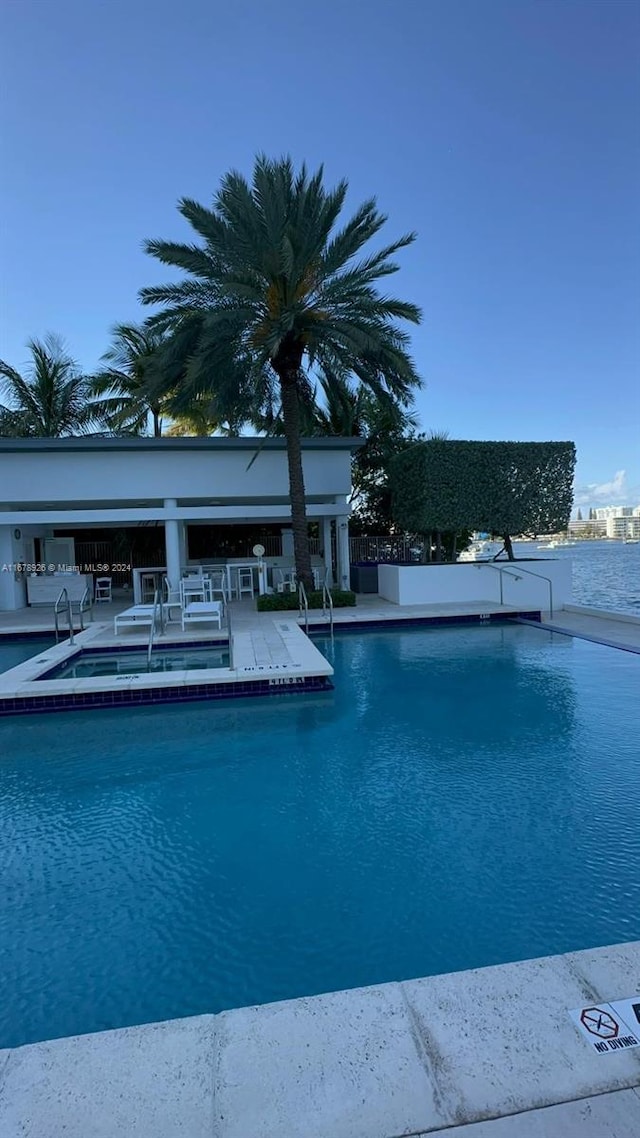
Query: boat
point(631, 541)
point(559, 543)
point(481, 550)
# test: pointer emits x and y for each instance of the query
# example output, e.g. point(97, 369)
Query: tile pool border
point(30, 634)
point(355, 625)
point(53, 672)
point(146, 697)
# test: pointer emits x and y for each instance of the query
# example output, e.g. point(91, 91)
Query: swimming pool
point(14, 651)
point(463, 797)
point(178, 658)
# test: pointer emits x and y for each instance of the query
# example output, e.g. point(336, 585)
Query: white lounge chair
point(137, 616)
point(198, 612)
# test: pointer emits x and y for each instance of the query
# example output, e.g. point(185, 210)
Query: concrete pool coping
point(270, 657)
point(428, 1056)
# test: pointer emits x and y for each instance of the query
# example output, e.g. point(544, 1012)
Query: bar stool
point(245, 583)
point(148, 588)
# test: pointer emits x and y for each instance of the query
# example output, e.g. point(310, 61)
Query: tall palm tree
point(121, 387)
point(199, 419)
point(52, 398)
point(272, 290)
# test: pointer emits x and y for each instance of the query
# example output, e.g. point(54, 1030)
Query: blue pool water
point(464, 797)
point(16, 651)
point(175, 659)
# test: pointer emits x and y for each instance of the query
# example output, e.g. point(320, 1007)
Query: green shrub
point(505, 488)
point(287, 602)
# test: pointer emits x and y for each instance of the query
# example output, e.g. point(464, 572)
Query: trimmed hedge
point(281, 602)
point(494, 487)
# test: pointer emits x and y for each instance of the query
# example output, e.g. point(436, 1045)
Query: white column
point(342, 535)
point(184, 545)
point(172, 544)
point(326, 545)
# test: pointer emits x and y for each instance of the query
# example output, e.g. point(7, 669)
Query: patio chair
point(172, 598)
point(218, 583)
point(102, 591)
point(195, 589)
point(284, 580)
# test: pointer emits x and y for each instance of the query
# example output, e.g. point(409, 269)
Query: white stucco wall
point(130, 475)
point(14, 551)
point(462, 583)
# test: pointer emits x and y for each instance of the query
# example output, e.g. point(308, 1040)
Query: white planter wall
point(477, 581)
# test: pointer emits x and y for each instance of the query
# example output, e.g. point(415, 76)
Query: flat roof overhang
point(98, 443)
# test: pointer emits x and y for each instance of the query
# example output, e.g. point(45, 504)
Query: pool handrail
point(303, 605)
point(56, 611)
point(156, 602)
point(516, 572)
point(227, 607)
point(327, 602)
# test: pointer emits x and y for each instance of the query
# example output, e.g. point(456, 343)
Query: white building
point(578, 528)
point(603, 513)
point(627, 526)
point(53, 485)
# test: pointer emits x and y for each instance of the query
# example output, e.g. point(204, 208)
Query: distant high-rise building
point(604, 512)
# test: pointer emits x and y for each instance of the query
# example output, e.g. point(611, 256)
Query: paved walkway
point(610, 628)
point(489, 1053)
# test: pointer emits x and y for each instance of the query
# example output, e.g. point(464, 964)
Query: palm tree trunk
point(291, 422)
point(508, 547)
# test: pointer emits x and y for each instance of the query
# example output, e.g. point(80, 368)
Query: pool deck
point(488, 1053)
point(369, 608)
point(617, 630)
point(608, 627)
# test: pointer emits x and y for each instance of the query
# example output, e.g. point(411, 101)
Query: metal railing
point(515, 573)
point(156, 602)
point(56, 613)
point(86, 605)
point(327, 603)
point(390, 549)
point(227, 607)
point(303, 605)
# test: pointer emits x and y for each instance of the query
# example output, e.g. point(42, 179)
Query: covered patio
point(60, 493)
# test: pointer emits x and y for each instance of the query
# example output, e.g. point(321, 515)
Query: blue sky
point(506, 132)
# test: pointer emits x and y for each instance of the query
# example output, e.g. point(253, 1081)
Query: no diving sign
point(610, 1027)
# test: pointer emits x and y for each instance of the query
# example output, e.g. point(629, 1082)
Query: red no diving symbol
point(599, 1023)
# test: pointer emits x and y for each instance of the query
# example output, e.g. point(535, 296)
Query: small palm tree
point(121, 388)
point(272, 290)
point(53, 397)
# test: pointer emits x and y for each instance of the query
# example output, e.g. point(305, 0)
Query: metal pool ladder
point(327, 604)
point(303, 605)
point(56, 614)
point(156, 602)
point(230, 632)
